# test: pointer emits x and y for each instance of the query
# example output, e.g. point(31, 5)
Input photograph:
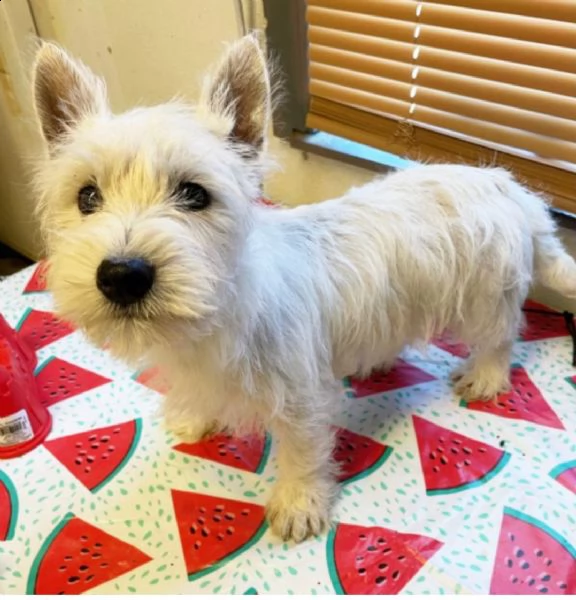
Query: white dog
point(159, 247)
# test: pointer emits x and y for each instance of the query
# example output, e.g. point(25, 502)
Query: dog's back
point(433, 248)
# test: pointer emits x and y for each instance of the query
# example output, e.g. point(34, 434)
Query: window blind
point(483, 81)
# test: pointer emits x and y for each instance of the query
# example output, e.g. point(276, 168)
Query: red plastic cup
point(24, 420)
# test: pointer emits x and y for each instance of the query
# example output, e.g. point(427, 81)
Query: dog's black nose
point(125, 281)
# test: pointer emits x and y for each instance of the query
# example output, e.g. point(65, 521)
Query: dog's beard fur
point(255, 313)
point(196, 255)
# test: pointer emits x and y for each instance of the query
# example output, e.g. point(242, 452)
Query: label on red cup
point(15, 429)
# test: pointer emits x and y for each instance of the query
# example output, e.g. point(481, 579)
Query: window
point(481, 81)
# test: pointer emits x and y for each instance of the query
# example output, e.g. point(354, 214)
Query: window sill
point(347, 151)
point(365, 157)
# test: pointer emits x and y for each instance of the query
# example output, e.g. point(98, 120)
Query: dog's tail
point(554, 267)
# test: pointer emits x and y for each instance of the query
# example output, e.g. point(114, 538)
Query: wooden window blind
point(482, 81)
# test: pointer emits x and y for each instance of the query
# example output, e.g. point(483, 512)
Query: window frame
point(288, 50)
point(287, 41)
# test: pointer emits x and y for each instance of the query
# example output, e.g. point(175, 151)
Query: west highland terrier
point(159, 247)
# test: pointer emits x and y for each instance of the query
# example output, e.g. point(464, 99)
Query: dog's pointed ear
point(239, 91)
point(65, 92)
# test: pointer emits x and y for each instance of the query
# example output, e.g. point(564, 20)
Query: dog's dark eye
point(192, 196)
point(89, 199)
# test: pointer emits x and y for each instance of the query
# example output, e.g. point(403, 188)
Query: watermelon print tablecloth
point(437, 497)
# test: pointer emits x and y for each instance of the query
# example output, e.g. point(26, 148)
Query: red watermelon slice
point(565, 474)
point(452, 462)
point(402, 375)
point(214, 530)
point(37, 283)
point(375, 560)
point(59, 380)
point(96, 456)
point(248, 453)
point(77, 557)
point(532, 558)
point(153, 379)
point(524, 402)
point(358, 455)
point(40, 328)
point(446, 343)
point(542, 323)
point(8, 508)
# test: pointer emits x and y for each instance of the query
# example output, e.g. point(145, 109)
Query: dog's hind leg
point(487, 372)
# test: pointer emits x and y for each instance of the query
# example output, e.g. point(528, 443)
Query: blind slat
point(377, 47)
point(517, 51)
point(526, 76)
point(391, 29)
point(404, 10)
point(557, 10)
point(472, 19)
point(516, 118)
point(482, 130)
point(384, 105)
point(527, 99)
point(528, 29)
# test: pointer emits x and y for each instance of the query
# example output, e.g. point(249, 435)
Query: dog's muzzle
point(125, 281)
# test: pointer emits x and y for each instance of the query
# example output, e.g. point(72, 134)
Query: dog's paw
point(473, 387)
point(299, 511)
point(192, 431)
point(459, 372)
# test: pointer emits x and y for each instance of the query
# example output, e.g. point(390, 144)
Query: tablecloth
point(437, 496)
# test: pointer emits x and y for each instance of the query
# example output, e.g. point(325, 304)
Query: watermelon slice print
point(248, 453)
point(153, 380)
point(358, 455)
point(523, 402)
point(402, 375)
point(452, 462)
point(94, 457)
point(542, 323)
point(40, 328)
point(214, 530)
point(59, 380)
point(565, 474)
point(37, 283)
point(77, 557)
point(446, 343)
point(531, 558)
point(8, 508)
point(375, 560)
point(572, 380)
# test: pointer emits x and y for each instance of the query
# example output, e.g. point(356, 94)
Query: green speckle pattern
point(135, 505)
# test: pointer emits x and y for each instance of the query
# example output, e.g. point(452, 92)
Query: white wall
point(148, 51)
point(19, 141)
point(151, 50)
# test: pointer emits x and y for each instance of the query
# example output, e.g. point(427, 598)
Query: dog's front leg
point(306, 488)
point(186, 420)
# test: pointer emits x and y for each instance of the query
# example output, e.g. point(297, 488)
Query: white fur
point(257, 312)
